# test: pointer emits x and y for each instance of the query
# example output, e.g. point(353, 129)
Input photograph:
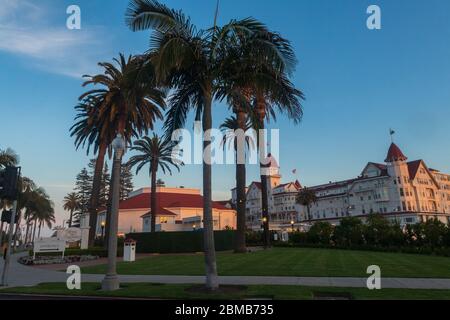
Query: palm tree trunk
point(34, 230)
point(241, 205)
point(261, 111)
point(212, 282)
point(26, 231)
point(96, 185)
point(153, 203)
point(40, 227)
point(1, 233)
point(70, 218)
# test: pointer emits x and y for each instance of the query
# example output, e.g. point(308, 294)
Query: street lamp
point(103, 229)
point(111, 280)
point(194, 227)
point(292, 225)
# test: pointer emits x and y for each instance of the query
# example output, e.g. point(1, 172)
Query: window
point(163, 220)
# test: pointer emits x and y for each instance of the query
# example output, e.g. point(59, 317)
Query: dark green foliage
point(320, 232)
point(83, 187)
point(126, 181)
point(104, 183)
point(377, 233)
point(179, 242)
point(349, 232)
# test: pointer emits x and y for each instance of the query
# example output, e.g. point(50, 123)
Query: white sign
point(72, 234)
point(47, 245)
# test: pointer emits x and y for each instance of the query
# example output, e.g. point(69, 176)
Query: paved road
point(21, 275)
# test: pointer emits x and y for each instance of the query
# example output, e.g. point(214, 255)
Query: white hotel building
point(402, 191)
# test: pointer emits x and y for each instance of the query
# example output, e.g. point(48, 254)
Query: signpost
point(48, 245)
point(72, 235)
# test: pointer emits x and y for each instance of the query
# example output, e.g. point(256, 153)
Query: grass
point(306, 262)
point(166, 291)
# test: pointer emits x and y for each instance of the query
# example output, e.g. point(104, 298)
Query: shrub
point(320, 232)
point(180, 242)
point(349, 232)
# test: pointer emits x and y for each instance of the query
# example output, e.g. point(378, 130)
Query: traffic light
point(6, 216)
point(8, 183)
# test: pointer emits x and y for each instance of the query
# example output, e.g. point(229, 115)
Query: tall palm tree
point(128, 103)
point(230, 126)
point(40, 209)
point(248, 57)
point(72, 204)
point(276, 95)
point(191, 62)
point(306, 197)
point(157, 153)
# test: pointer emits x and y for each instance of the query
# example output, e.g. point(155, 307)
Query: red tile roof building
point(178, 209)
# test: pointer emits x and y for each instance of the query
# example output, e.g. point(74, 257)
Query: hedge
point(425, 250)
point(100, 252)
point(180, 242)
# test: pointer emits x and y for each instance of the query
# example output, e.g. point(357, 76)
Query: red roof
point(167, 201)
point(413, 167)
point(395, 154)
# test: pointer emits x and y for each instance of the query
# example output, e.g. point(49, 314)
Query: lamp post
point(103, 229)
point(111, 280)
point(292, 225)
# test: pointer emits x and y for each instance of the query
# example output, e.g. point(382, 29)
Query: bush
point(321, 233)
point(254, 238)
point(378, 234)
point(180, 242)
point(100, 252)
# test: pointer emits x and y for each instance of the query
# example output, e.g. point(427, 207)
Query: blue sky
point(358, 83)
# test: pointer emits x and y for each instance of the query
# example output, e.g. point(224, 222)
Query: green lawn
point(146, 290)
point(291, 262)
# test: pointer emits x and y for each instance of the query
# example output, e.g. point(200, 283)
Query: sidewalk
point(21, 275)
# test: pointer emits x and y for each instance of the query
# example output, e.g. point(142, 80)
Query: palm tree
point(276, 94)
point(191, 62)
point(72, 204)
point(40, 209)
point(248, 59)
point(306, 197)
point(157, 153)
point(8, 158)
point(230, 126)
point(127, 103)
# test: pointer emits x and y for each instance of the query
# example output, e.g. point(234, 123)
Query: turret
point(272, 171)
point(396, 163)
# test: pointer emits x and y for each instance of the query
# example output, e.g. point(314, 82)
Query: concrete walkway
point(21, 275)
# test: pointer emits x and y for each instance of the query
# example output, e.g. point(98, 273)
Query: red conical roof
point(395, 154)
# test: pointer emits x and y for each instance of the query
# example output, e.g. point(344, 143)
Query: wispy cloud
point(54, 49)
